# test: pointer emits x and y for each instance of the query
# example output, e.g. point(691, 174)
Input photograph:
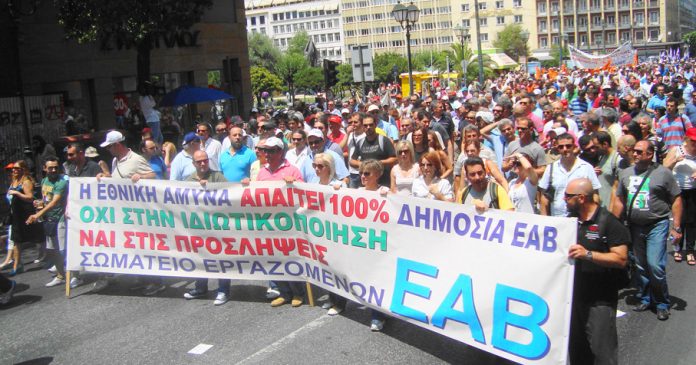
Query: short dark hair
point(77, 145)
point(602, 137)
point(473, 161)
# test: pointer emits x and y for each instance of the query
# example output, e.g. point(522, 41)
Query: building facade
point(599, 26)
point(90, 77)
point(282, 19)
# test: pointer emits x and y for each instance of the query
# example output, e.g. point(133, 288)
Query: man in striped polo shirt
point(672, 127)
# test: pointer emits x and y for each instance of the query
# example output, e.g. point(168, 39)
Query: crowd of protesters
point(615, 148)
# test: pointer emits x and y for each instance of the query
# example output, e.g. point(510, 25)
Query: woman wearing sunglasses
point(429, 185)
point(406, 171)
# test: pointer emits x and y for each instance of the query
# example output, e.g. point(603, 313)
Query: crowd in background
point(552, 143)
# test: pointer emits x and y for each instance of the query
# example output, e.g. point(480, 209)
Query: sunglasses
point(564, 146)
point(298, 139)
point(220, 130)
point(268, 150)
point(404, 152)
point(314, 142)
point(522, 128)
point(266, 128)
point(366, 173)
point(571, 196)
point(318, 166)
point(202, 131)
point(201, 162)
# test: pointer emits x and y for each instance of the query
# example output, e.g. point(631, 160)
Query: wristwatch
point(677, 229)
point(588, 255)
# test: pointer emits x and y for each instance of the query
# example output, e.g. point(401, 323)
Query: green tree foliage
point(510, 41)
point(345, 74)
point(288, 67)
point(423, 61)
point(134, 23)
point(262, 51)
point(263, 80)
point(384, 63)
point(309, 78)
point(458, 53)
point(298, 42)
point(690, 39)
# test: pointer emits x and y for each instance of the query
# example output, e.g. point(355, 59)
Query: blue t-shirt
point(158, 166)
point(237, 167)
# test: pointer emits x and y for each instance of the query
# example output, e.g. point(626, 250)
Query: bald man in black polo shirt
point(600, 258)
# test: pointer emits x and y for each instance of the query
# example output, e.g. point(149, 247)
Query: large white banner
point(621, 56)
point(498, 281)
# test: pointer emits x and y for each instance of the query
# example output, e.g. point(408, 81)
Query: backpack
point(492, 193)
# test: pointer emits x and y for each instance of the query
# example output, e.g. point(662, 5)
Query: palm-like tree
point(459, 53)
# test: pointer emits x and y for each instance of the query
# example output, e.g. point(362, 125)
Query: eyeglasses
point(202, 131)
point(564, 146)
point(640, 152)
point(571, 196)
point(220, 130)
point(523, 102)
point(318, 166)
point(403, 152)
point(268, 150)
point(267, 128)
point(298, 139)
point(202, 162)
point(315, 142)
point(522, 128)
point(366, 173)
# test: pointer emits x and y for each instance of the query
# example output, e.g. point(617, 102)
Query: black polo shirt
point(594, 283)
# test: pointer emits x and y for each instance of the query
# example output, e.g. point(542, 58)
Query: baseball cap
point(315, 133)
point(456, 104)
point(9, 166)
point(691, 133)
point(274, 142)
point(335, 119)
point(551, 91)
point(345, 111)
point(111, 138)
point(191, 137)
point(537, 92)
point(486, 116)
point(372, 107)
point(91, 152)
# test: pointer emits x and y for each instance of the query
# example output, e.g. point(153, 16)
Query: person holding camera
point(556, 177)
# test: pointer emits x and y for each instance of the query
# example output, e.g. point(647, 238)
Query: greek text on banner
point(498, 281)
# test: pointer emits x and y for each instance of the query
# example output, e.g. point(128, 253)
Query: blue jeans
point(650, 249)
point(223, 285)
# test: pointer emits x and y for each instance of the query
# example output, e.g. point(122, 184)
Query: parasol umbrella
point(191, 95)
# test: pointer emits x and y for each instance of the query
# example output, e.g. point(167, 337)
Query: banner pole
point(310, 295)
point(67, 283)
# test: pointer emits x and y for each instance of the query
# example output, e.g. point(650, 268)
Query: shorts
point(57, 241)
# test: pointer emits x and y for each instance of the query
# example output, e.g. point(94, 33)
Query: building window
point(518, 19)
point(466, 23)
point(541, 8)
point(483, 22)
point(483, 6)
point(465, 7)
point(500, 20)
point(253, 20)
point(543, 42)
point(262, 19)
point(350, 33)
point(499, 5)
point(484, 37)
point(516, 3)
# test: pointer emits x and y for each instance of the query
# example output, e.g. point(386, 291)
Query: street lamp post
point(525, 38)
point(462, 33)
point(478, 42)
point(407, 16)
point(604, 36)
point(560, 37)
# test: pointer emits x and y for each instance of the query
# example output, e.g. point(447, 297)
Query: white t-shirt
point(420, 188)
point(522, 196)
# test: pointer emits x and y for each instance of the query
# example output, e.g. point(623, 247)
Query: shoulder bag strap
point(645, 178)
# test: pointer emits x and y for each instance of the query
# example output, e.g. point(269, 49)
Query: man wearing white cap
point(126, 164)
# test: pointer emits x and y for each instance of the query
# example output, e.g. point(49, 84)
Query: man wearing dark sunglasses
point(557, 176)
point(600, 254)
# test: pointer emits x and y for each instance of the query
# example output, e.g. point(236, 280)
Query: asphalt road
point(117, 326)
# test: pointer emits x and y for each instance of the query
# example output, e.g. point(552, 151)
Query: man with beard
point(236, 161)
point(600, 254)
point(481, 192)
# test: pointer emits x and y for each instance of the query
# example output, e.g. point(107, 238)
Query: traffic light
point(330, 73)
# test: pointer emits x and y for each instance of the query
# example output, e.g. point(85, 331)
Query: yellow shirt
point(504, 202)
